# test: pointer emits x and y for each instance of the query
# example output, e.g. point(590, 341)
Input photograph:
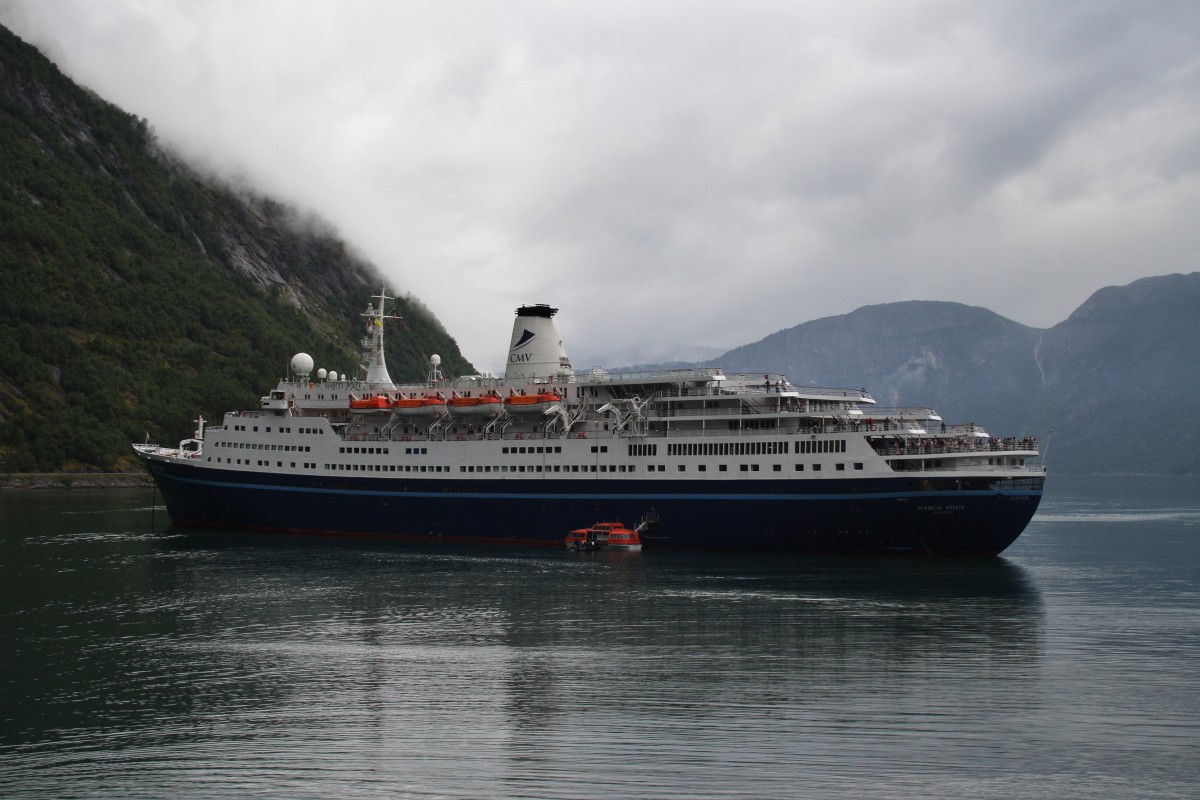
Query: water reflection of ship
point(704, 638)
point(547, 600)
point(687, 629)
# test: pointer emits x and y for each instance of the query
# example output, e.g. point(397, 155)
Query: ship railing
point(934, 447)
point(793, 426)
point(705, 433)
point(688, 374)
point(772, 384)
point(791, 408)
point(917, 466)
point(921, 413)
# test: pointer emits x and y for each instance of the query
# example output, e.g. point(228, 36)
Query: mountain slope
point(134, 295)
point(909, 353)
point(1122, 386)
point(1118, 381)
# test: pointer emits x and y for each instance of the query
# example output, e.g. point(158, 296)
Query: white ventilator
point(536, 351)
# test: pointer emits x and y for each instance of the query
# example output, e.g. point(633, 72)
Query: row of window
point(767, 448)
point(727, 449)
point(682, 449)
point(304, 431)
point(288, 448)
point(534, 468)
point(764, 448)
point(821, 446)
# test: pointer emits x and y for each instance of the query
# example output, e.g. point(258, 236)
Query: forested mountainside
point(135, 294)
point(1118, 381)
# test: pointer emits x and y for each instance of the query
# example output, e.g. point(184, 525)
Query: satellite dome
point(332, 375)
point(302, 365)
point(435, 359)
point(321, 373)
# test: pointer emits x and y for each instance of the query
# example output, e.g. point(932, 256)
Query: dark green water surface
point(142, 661)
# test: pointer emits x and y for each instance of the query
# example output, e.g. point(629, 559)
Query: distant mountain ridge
point(903, 351)
point(1118, 380)
point(135, 294)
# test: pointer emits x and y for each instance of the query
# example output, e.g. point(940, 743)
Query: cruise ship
point(696, 457)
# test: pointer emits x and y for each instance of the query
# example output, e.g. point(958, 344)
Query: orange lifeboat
point(430, 405)
point(488, 405)
point(379, 404)
point(531, 403)
point(604, 535)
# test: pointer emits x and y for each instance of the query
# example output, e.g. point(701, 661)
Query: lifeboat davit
point(604, 536)
point(531, 403)
point(430, 405)
point(379, 404)
point(488, 405)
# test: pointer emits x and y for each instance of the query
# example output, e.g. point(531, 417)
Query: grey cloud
point(689, 172)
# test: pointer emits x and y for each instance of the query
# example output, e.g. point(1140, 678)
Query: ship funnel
point(536, 351)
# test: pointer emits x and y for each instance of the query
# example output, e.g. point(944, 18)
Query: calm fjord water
point(143, 661)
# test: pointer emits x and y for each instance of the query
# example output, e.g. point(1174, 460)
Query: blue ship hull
point(883, 515)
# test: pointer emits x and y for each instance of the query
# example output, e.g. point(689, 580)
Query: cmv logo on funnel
point(526, 337)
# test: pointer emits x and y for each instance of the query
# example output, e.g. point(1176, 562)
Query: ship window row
point(515, 450)
point(727, 449)
point(572, 468)
point(289, 448)
point(385, 468)
point(821, 446)
point(839, 467)
point(569, 468)
point(305, 465)
point(643, 449)
point(382, 451)
point(768, 448)
point(267, 429)
point(575, 468)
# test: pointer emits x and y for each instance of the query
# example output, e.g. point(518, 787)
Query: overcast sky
point(683, 173)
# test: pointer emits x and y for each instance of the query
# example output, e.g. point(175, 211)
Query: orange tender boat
point(604, 535)
point(428, 406)
point(379, 404)
point(486, 406)
point(531, 403)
